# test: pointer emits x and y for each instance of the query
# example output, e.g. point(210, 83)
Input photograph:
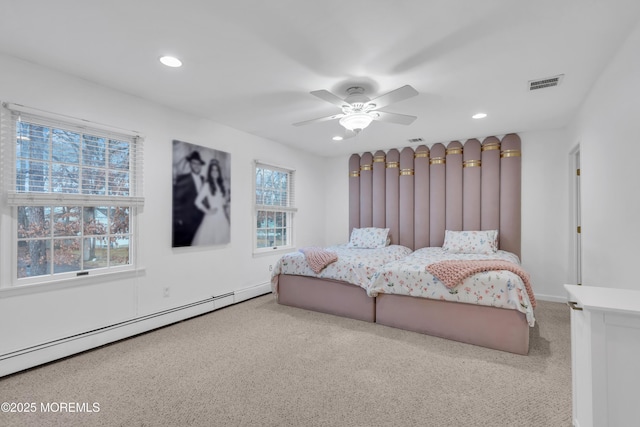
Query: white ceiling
point(251, 64)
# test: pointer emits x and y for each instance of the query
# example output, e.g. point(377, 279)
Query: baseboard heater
point(29, 357)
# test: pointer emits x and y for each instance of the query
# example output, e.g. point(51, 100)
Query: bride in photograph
point(211, 200)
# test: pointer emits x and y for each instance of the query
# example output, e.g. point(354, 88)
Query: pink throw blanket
point(453, 272)
point(318, 258)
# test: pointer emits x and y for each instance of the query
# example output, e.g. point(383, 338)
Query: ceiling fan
point(358, 111)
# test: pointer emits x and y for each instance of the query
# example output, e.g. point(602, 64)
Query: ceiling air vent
point(546, 82)
point(414, 140)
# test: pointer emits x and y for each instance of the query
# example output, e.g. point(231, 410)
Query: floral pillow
point(368, 238)
point(471, 242)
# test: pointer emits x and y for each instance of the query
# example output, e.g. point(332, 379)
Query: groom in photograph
point(186, 216)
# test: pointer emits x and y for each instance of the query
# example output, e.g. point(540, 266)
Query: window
point(74, 192)
point(274, 207)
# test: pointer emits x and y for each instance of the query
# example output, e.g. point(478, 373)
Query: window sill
point(271, 251)
point(54, 285)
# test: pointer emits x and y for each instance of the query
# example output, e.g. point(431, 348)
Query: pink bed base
point(326, 296)
point(490, 327)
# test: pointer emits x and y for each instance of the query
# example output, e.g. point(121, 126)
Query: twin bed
point(426, 198)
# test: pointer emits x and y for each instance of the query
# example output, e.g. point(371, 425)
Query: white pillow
point(471, 242)
point(368, 238)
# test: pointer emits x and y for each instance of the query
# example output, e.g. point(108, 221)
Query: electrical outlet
point(166, 291)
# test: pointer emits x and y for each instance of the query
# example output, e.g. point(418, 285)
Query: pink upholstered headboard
point(418, 194)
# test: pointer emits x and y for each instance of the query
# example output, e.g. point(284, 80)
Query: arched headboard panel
point(471, 180)
point(490, 184)
point(421, 220)
point(354, 192)
point(393, 198)
point(510, 189)
point(437, 196)
point(453, 187)
point(418, 194)
point(379, 191)
point(407, 196)
point(366, 190)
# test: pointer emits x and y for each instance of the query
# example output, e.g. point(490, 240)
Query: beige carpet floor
point(258, 363)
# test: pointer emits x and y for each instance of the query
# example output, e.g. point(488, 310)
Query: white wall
point(608, 131)
point(193, 274)
point(546, 212)
point(337, 212)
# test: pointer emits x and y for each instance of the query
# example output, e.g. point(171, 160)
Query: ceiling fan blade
point(325, 95)
point(321, 119)
point(401, 119)
point(397, 95)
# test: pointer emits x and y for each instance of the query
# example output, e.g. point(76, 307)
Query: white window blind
point(84, 162)
point(275, 188)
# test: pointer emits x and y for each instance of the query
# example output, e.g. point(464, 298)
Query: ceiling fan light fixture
point(356, 121)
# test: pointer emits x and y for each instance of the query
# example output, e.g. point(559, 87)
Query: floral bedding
point(409, 276)
point(354, 265)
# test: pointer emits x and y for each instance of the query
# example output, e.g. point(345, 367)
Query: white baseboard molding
point(251, 292)
point(20, 360)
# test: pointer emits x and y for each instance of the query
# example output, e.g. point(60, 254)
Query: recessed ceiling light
point(171, 61)
point(337, 138)
point(479, 115)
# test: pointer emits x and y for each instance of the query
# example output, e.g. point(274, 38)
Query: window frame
point(16, 199)
point(289, 209)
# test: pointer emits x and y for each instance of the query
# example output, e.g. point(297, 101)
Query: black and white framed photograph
point(201, 195)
